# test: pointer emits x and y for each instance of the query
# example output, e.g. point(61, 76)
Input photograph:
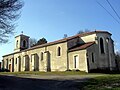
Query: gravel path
point(42, 82)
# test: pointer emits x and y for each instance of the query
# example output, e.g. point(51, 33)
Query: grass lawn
point(108, 82)
point(45, 73)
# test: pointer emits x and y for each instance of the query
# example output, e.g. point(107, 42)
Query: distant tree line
point(83, 31)
point(79, 32)
point(34, 42)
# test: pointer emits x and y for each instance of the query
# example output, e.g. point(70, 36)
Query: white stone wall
point(65, 61)
point(7, 62)
point(82, 60)
point(107, 59)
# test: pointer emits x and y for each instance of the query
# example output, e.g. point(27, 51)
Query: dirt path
point(37, 82)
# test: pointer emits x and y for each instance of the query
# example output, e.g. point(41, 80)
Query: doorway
point(76, 62)
point(10, 67)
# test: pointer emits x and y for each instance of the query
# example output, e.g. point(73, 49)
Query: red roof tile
point(81, 47)
point(63, 40)
point(68, 38)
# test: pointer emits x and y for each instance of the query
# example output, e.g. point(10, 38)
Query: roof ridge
point(69, 38)
point(65, 39)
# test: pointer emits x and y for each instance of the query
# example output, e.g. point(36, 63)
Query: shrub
point(4, 70)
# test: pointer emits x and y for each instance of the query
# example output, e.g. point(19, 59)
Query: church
point(84, 52)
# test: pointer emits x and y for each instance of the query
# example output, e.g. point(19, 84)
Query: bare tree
point(65, 36)
point(33, 41)
point(9, 12)
point(41, 41)
point(83, 31)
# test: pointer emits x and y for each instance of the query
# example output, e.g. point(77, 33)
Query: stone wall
point(82, 66)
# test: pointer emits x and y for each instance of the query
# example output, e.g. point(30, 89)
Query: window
point(93, 58)
point(59, 51)
point(17, 44)
point(24, 43)
point(101, 45)
point(10, 60)
point(16, 61)
point(41, 55)
point(107, 40)
point(7, 63)
point(76, 62)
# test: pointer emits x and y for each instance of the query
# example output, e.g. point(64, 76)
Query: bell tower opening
point(17, 44)
point(24, 43)
point(21, 42)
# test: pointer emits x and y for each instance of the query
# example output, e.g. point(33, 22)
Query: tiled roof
point(62, 40)
point(68, 38)
point(81, 47)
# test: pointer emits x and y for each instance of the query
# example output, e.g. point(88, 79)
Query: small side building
point(84, 52)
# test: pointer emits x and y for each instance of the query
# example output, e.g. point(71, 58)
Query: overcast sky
point(54, 18)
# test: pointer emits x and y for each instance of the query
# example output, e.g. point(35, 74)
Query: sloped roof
point(68, 38)
point(81, 47)
point(21, 35)
point(62, 40)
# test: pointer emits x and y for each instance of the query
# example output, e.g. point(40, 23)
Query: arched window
point(93, 58)
point(41, 55)
point(16, 61)
point(17, 44)
point(59, 51)
point(7, 63)
point(107, 40)
point(76, 62)
point(24, 43)
point(102, 45)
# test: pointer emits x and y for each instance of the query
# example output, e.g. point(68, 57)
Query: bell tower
point(21, 42)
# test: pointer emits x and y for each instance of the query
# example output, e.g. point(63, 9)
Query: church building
point(85, 52)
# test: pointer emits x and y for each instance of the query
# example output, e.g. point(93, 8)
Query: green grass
point(108, 82)
point(45, 73)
